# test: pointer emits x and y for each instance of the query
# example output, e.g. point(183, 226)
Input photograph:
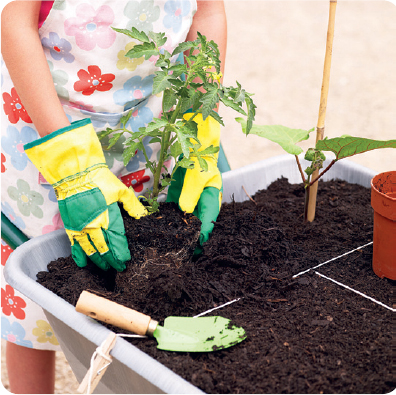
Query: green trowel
point(198, 334)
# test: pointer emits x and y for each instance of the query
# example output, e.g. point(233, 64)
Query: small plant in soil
point(193, 85)
point(342, 147)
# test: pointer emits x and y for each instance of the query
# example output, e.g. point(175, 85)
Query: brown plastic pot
point(383, 201)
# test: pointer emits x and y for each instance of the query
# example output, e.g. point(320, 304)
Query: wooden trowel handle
point(115, 314)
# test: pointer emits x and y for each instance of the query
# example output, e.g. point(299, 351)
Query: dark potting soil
point(305, 334)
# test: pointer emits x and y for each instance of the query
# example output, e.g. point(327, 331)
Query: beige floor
point(276, 50)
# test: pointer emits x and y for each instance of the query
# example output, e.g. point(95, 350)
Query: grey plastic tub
point(133, 371)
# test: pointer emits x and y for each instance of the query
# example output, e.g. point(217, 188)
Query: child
point(65, 71)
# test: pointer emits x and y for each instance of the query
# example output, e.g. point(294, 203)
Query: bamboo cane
point(312, 191)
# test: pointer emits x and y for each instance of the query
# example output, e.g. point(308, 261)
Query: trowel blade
point(198, 334)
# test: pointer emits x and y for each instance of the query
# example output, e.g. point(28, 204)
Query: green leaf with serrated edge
point(184, 46)
point(234, 106)
point(156, 123)
point(159, 38)
point(284, 136)
point(209, 100)
point(125, 118)
point(175, 149)
point(169, 100)
point(178, 69)
point(186, 163)
point(104, 133)
point(202, 163)
point(176, 82)
point(217, 117)
point(188, 102)
point(114, 139)
point(134, 33)
point(161, 82)
point(344, 147)
point(155, 140)
point(211, 150)
point(238, 94)
point(146, 49)
point(129, 152)
point(184, 136)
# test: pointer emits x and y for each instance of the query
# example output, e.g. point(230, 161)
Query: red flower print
point(11, 303)
point(136, 179)
point(3, 160)
point(93, 80)
point(13, 107)
point(5, 253)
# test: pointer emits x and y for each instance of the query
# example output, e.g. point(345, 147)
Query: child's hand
point(197, 191)
point(72, 160)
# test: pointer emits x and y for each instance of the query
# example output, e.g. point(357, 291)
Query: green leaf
point(134, 33)
point(233, 105)
point(343, 147)
point(129, 152)
point(169, 100)
point(202, 163)
point(184, 135)
point(177, 70)
point(114, 139)
point(146, 49)
point(161, 81)
point(211, 150)
point(284, 136)
point(155, 124)
point(176, 149)
point(251, 110)
point(104, 133)
point(182, 47)
point(186, 163)
point(209, 100)
point(217, 117)
point(188, 102)
point(158, 38)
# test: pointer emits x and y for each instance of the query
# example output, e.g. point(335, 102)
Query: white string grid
point(99, 349)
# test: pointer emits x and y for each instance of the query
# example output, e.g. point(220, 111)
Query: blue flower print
point(8, 211)
point(139, 118)
point(13, 144)
point(51, 192)
point(175, 11)
point(133, 164)
point(59, 47)
point(14, 333)
point(102, 119)
point(134, 91)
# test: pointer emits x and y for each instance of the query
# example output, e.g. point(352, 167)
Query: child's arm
point(24, 57)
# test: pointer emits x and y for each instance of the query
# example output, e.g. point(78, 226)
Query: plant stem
point(300, 169)
point(323, 172)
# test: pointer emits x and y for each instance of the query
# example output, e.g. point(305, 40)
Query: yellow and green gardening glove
point(72, 161)
point(197, 191)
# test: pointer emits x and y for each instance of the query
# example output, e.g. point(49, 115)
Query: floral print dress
point(94, 80)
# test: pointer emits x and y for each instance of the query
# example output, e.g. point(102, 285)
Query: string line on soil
point(332, 259)
point(354, 290)
point(215, 308)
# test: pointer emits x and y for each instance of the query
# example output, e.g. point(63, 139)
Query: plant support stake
point(313, 189)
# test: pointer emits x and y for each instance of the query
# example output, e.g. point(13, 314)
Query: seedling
point(194, 86)
point(342, 147)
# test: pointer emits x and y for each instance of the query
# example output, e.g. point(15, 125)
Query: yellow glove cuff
point(70, 151)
